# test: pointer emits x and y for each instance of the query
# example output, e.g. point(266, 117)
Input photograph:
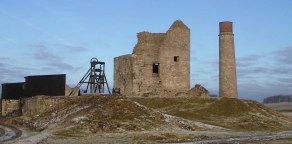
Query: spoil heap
point(226, 112)
point(92, 114)
point(152, 119)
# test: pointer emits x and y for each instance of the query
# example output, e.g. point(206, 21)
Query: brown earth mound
point(227, 107)
point(227, 112)
point(152, 119)
point(86, 115)
point(91, 114)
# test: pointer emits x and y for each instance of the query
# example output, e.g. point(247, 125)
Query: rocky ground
point(2, 132)
point(116, 119)
point(8, 133)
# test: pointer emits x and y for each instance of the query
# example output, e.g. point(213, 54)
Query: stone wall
point(33, 105)
point(9, 106)
point(176, 75)
point(40, 104)
point(168, 52)
point(145, 54)
point(123, 74)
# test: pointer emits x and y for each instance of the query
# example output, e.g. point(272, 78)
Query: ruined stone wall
point(39, 104)
point(123, 74)
point(138, 77)
point(145, 54)
point(9, 106)
point(175, 75)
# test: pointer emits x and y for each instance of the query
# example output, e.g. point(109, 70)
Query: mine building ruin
point(159, 64)
point(49, 85)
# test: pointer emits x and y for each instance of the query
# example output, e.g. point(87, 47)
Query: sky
point(61, 36)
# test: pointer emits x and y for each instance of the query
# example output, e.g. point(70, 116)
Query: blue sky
point(61, 36)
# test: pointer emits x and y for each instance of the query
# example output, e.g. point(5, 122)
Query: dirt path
point(244, 139)
point(8, 133)
point(2, 132)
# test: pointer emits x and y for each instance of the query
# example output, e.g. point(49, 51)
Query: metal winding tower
point(94, 78)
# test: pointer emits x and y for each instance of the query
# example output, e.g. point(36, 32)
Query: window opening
point(176, 58)
point(155, 68)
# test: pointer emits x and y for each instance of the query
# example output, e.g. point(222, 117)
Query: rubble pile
point(199, 91)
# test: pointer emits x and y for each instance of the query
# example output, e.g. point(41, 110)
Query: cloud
point(5, 70)
point(40, 45)
point(72, 48)
point(281, 70)
point(260, 65)
point(40, 52)
point(285, 80)
point(262, 76)
point(49, 61)
point(12, 73)
point(283, 56)
point(45, 55)
point(248, 60)
point(61, 65)
point(249, 72)
point(6, 59)
point(44, 62)
point(258, 91)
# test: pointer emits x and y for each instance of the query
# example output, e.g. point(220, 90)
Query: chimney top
point(226, 26)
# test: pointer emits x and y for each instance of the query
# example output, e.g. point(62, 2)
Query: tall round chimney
point(227, 64)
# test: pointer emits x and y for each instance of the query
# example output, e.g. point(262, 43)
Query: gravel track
point(247, 139)
point(8, 133)
point(2, 132)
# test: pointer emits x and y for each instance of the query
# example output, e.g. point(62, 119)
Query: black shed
point(12, 90)
point(50, 85)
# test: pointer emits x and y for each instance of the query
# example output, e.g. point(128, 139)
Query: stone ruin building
point(159, 64)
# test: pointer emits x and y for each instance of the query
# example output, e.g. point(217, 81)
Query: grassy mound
point(92, 114)
point(86, 115)
point(226, 112)
point(227, 107)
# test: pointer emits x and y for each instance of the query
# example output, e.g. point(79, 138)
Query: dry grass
point(226, 112)
point(96, 114)
point(146, 119)
point(169, 137)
